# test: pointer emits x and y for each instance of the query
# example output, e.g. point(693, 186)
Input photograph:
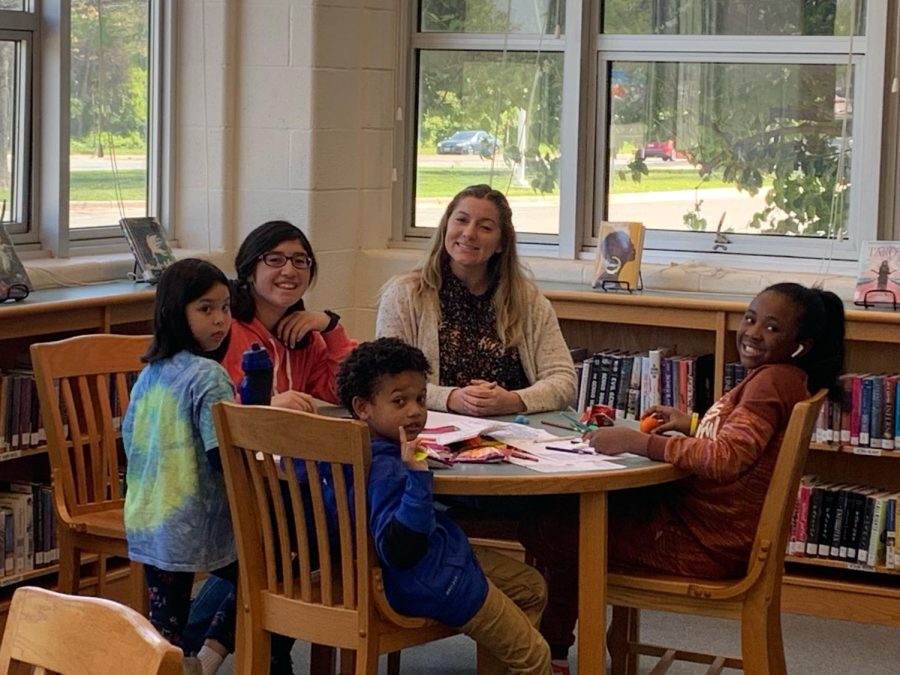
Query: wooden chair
point(57, 633)
point(754, 599)
point(342, 604)
point(82, 388)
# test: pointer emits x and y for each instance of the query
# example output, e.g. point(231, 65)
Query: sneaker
point(191, 666)
point(559, 667)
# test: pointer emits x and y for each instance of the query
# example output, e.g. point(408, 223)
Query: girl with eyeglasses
point(275, 266)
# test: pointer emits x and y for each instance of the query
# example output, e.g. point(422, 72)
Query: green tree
point(109, 54)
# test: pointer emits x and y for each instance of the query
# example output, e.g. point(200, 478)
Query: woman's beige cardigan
point(544, 354)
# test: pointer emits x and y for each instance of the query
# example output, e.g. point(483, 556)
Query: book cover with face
point(878, 278)
point(619, 248)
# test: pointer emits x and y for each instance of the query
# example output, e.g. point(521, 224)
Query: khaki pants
point(505, 627)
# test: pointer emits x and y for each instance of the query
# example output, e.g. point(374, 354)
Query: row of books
point(855, 524)
point(27, 528)
point(21, 426)
point(735, 372)
point(631, 382)
point(868, 415)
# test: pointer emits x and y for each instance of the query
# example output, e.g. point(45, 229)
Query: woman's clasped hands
point(482, 398)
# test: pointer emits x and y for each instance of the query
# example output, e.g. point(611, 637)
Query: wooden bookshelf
point(121, 307)
point(707, 323)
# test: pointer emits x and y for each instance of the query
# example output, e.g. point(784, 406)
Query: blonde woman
point(491, 337)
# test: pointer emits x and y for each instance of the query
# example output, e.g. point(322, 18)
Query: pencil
point(567, 427)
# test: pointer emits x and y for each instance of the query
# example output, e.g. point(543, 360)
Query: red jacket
point(311, 369)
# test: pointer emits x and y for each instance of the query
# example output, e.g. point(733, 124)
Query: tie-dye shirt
point(176, 509)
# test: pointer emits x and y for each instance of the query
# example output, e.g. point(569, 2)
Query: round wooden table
point(592, 486)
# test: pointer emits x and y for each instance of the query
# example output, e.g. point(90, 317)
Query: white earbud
point(797, 352)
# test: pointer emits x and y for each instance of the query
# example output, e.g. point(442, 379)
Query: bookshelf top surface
point(60, 299)
point(558, 291)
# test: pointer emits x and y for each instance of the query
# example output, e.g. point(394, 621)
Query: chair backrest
point(78, 635)
point(270, 509)
point(83, 385)
point(767, 553)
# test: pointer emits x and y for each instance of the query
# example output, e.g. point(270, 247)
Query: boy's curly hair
point(370, 361)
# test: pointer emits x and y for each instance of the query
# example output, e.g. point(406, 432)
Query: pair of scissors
point(580, 426)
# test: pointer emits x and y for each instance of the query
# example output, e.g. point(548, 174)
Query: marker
point(573, 450)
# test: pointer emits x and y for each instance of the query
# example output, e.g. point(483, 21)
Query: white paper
point(469, 427)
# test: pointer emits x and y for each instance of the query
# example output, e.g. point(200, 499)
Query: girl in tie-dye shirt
point(176, 510)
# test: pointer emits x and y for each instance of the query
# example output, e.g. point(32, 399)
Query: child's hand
point(294, 400)
point(616, 440)
point(671, 419)
point(412, 455)
point(291, 329)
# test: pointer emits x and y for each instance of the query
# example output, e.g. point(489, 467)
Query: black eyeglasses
point(14, 292)
point(300, 261)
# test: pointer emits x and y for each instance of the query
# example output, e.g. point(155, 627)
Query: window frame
point(47, 228)
point(21, 29)
point(584, 111)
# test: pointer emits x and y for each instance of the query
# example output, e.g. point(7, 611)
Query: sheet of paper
point(550, 461)
point(465, 427)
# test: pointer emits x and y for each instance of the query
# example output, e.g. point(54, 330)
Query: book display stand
point(878, 277)
point(16, 292)
point(880, 302)
point(619, 285)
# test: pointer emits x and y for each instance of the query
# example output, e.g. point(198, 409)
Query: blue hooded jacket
point(447, 583)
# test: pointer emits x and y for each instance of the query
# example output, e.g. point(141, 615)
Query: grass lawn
point(430, 182)
point(99, 186)
point(444, 182)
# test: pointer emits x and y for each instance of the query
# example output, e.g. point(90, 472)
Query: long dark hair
point(180, 284)
point(514, 291)
point(262, 240)
point(821, 320)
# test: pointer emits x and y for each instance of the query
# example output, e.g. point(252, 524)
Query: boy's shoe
point(191, 666)
point(559, 667)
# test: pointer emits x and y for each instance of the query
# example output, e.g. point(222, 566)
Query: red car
point(662, 149)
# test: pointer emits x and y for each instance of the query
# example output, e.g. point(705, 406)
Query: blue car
point(468, 143)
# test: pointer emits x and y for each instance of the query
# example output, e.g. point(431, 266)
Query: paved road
point(657, 210)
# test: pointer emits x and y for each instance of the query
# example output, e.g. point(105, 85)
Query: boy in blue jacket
point(429, 567)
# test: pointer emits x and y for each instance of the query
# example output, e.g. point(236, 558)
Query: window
point(16, 56)
point(742, 126)
point(105, 75)
point(489, 107)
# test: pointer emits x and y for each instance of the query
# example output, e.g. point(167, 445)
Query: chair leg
point(140, 600)
point(393, 663)
point(69, 564)
point(762, 648)
point(102, 567)
point(367, 657)
point(624, 630)
point(252, 643)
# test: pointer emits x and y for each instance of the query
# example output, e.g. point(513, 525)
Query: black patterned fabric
point(470, 348)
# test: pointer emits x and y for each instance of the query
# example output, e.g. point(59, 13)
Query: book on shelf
point(14, 281)
point(878, 278)
point(7, 541)
point(619, 248)
point(147, 241)
point(23, 516)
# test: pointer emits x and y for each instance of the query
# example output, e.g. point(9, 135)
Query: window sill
point(659, 272)
point(101, 268)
